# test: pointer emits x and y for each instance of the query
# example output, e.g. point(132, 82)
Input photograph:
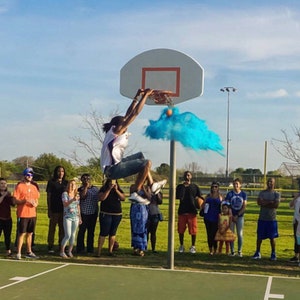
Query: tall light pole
point(228, 89)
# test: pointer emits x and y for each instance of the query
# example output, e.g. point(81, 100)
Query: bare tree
point(91, 142)
point(193, 167)
point(288, 147)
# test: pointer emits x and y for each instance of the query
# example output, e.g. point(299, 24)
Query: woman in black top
point(110, 215)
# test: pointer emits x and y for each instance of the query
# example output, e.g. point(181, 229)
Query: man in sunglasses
point(26, 197)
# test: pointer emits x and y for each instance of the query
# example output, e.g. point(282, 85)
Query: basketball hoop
point(161, 97)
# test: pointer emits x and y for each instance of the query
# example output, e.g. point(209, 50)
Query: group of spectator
point(72, 209)
point(75, 209)
point(224, 217)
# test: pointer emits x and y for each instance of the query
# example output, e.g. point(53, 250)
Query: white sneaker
point(157, 186)
point(193, 249)
point(181, 249)
point(134, 197)
point(18, 256)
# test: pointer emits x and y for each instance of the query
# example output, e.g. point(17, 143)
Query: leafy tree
point(8, 169)
point(45, 164)
point(163, 169)
point(93, 168)
point(22, 162)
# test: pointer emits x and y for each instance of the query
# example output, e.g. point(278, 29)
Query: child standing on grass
point(224, 233)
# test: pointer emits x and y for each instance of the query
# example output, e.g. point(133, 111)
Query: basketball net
point(161, 97)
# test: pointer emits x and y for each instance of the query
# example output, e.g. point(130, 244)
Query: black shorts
point(27, 225)
point(109, 224)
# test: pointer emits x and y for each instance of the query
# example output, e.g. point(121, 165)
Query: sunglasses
point(29, 175)
point(214, 186)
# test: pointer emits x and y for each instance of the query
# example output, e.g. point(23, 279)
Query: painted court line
point(268, 289)
point(22, 279)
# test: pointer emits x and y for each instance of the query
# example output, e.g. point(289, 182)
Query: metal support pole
point(228, 139)
point(172, 191)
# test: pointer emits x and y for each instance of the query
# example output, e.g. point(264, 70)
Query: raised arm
point(133, 110)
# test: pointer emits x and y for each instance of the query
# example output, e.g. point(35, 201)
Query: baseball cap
point(27, 171)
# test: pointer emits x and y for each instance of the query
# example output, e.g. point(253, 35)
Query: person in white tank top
point(113, 163)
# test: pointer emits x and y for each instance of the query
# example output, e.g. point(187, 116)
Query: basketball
point(169, 112)
point(198, 202)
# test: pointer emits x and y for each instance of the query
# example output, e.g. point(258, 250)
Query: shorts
point(109, 224)
point(27, 225)
point(128, 166)
point(267, 230)
point(187, 220)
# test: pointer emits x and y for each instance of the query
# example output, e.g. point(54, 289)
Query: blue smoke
point(185, 128)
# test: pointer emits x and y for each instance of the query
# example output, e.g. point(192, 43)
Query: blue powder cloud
point(185, 128)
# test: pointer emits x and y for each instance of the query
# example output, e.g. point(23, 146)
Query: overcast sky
point(59, 58)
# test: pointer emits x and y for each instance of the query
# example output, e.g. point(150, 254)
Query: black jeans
point(88, 224)
point(6, 227)
point(211, 230)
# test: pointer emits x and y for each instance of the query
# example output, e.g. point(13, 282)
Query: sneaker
point(157, 186)
point(256, 255)
point(63, 255)
point(135, 198)
point(294, 259)
point(31, 255)
point(18, 256)
point(240, 254)
point(193, 249)
point(181, 249)
point(231, 254)
point(70, 254)
point(273, 256)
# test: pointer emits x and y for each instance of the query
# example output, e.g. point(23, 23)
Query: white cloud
point(281, 93)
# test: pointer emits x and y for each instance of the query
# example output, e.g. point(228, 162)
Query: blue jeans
point(239, 225)
point(70, 227)
point(128, 166)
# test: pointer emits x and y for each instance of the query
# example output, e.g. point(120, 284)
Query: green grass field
point(199, 261)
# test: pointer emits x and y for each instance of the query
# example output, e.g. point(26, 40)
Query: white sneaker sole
point(157, 186)
point(135, 198)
